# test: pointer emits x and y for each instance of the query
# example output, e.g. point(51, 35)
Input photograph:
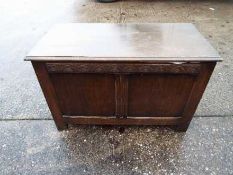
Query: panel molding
point(121, 96)
point(111, 120)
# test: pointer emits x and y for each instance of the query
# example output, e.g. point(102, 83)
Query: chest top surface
point(123, 42)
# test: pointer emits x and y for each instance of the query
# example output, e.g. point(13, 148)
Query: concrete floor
point(36, 147)
point(30, 144)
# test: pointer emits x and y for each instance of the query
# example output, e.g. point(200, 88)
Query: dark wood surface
point(123, 67)
point(196, 94)
point(124, 42)
point(85, 94)
point(49, 93)
point(100, 120)
point(159, 97)
point(123, 74)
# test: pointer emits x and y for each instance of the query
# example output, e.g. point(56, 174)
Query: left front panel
point(85, 94)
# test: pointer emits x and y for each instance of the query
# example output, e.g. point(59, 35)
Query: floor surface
point(36, 147)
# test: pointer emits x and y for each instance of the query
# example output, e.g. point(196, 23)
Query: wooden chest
point(123, 74)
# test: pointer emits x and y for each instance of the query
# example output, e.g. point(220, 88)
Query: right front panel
point(158, 95)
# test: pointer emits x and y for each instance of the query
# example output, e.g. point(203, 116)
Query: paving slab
point(23, 23)
point(36, 147)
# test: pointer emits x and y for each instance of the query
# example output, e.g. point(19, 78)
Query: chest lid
point(123, 42)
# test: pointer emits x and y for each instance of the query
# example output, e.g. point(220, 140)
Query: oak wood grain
point(66, 67)
point(100, 120)
point(49, 93)
point(157, 41)
point(123, 74)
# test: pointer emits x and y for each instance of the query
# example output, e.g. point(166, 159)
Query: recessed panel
point(158, 95)
point(85, 94)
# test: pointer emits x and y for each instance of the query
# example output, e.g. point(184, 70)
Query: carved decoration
point(122, 68)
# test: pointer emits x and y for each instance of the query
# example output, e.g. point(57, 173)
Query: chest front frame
point(123, 93)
